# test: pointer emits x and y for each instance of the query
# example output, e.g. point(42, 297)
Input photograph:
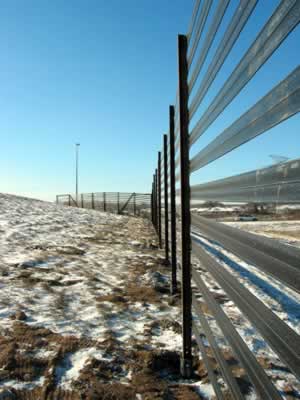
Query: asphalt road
point(269, 255)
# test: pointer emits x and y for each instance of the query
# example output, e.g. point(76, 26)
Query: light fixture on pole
point(77, 157)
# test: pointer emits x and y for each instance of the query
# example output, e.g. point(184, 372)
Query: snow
point(287, 232)
point(46, 240)
point(73, 364)
point(21, 385)
point(217, 209)
point(286, 207)
point(56, 262)
point(205, 390)
point(258, 226)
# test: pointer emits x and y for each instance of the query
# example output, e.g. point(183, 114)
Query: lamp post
point(77, 156)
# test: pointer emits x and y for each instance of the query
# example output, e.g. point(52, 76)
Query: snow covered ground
point(286, 231)
point(218, 209)
point(84, 307)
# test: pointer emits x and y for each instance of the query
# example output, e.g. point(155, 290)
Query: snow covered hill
point(83, 306)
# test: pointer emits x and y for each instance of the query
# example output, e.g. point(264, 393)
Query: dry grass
point(99, 379)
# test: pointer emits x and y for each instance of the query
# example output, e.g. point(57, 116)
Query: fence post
point(104, 201)
point(82, 204)
point(56, 199)
point(155, 202)
point(151, 204)
point(93, 201)
point(173, 199)
point(69, 200)
point(186, 361)
point(156, 197)
point(166, 190)
point(134, 203)
point(118, 203)
point(159, 198)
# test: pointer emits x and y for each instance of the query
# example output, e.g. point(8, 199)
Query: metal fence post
point(166, 190)
point(82, 203)
point(173, 199)
point(186, 361)
point(69, 200)
point(152, 203)
point(155, 200)
point(157, 204)
point(118, 203)
point(104, 201)
point(159, 198)
point(93, 201)
point(134, 203)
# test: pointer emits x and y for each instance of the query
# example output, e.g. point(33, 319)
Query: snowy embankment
point(84, 307)
point(287, 232)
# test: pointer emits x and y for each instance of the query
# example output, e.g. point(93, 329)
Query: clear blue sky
point(103, 73)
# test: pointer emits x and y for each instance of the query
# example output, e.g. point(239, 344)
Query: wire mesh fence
point(138, 204)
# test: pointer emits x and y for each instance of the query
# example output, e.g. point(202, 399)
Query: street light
point(77, 155)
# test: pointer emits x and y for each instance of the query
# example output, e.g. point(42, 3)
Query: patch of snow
point(288, 207)
point(285, 231)
point(135, 243)
point(70, 368)
point(169, 339)
point(19, 385)
point(204, 389)
point(43, 353)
